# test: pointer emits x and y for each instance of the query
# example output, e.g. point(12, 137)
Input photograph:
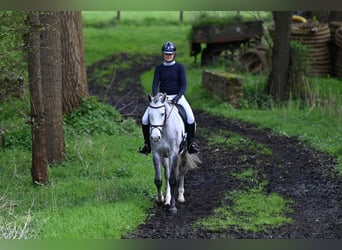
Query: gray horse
point(167, 139)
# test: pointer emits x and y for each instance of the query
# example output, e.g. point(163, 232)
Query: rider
point(170, 78)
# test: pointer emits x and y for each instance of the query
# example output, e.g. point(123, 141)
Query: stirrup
point(193, 148)
point(145, 149)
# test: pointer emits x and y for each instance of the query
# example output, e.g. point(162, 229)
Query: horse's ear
point(163, 98)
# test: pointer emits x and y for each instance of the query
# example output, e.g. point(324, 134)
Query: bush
point(93, 117)
point(12, 30)
point(18, 137)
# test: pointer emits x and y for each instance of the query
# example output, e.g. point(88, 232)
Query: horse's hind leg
point(182, 171)
point(158, 179)
point(181, 189)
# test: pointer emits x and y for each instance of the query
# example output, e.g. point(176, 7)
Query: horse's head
point(157, 114)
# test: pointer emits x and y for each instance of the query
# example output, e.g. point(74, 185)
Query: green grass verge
point(102, 190)
point(250, 210)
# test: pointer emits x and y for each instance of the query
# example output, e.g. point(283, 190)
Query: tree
point(51, 72)
point(57, 79)
point(39, 170)
point(74, 75)
point(277, 83)
point(57, 82)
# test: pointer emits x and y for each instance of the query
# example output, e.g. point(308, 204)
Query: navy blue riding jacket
point(170, 79)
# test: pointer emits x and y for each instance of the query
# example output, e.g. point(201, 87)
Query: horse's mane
point(156, 98)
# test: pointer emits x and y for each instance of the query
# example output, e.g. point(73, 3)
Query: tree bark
point(74, 73)
point(39, 170)
point(51, 71)
point(277, 83)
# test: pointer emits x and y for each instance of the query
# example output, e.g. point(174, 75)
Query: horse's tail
point(192, 161)
point(188, 162)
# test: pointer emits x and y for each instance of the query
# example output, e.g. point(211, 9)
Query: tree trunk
point(39, 170)
point(277, 83)
point(74, 74)
point(51, 71)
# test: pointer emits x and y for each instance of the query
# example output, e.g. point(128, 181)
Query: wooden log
point(226, 86)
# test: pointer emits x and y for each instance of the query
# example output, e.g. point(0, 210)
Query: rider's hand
point(175, 99)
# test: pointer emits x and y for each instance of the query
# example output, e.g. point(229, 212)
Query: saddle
point(181, 112)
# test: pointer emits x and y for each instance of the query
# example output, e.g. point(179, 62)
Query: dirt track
point(294, 170)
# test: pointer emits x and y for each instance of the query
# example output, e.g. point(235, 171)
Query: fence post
point(181, 16)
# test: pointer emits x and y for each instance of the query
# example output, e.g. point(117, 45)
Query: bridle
point(161, 126)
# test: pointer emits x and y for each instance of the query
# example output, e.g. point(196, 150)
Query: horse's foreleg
point(167, 177)
point(158, 178)
point(181, 189)
point(173, 185)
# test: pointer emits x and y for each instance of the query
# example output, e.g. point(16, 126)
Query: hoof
point(181, 199)
point(173, 210)
point(160, 200)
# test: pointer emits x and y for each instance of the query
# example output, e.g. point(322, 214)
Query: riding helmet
point(168, 48)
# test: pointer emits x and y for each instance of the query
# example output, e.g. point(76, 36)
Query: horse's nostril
point(155, 138)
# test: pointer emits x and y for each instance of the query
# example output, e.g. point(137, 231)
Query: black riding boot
point(192, 146)
point(146, 149)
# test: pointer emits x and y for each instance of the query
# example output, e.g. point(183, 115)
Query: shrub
point(93, 117)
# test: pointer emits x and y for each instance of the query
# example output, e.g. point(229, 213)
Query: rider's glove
point(175, 99)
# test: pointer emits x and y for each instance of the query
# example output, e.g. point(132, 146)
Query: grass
point(250, 211)
point(120, 38)
point(95, 221)
point(249, 175)
point(104, 188)
point(249, 208)
point(235, 142)
point(96, 193)
point(141, 31)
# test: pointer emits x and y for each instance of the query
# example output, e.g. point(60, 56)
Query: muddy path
point(293, 169)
